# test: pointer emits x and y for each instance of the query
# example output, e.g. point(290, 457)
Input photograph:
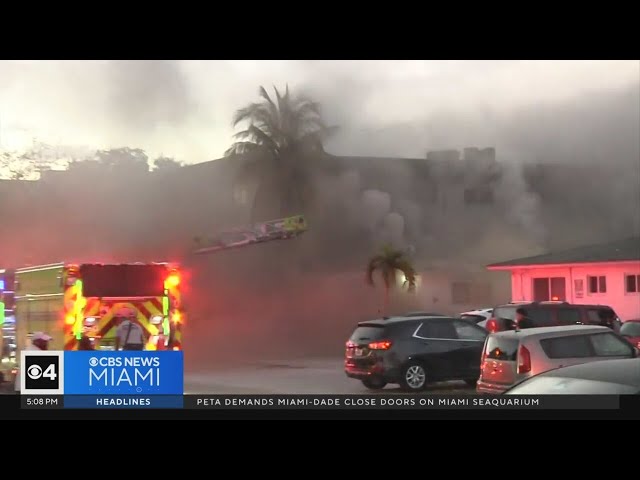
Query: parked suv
point(513, 356)
point(479, 317)
point(413, 351)
point(552, 314)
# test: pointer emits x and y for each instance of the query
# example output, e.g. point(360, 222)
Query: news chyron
point(102, 379)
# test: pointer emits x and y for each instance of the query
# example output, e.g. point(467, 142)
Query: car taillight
point(524, 360)
point(384, 345)
point(492, 325)
point(350, 344)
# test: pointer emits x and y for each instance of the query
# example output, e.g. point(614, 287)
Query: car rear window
point(505, 312)
point(590, 345)
point(368, 332)
point(541, 317)
point(472, 318)
point(499, 348)
point(610, 345)
point(630, 329)
point(575, 346)
point(598, 315)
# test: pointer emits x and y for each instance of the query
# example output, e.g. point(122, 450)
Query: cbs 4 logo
point(41, 372)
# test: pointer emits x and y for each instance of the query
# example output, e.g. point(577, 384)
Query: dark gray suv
point(414, 351)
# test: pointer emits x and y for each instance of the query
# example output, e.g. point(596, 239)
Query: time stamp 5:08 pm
point(44, 401)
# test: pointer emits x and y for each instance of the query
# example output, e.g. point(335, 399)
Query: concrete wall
point(454, 291)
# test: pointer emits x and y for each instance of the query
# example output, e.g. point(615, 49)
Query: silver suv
point(512, 356)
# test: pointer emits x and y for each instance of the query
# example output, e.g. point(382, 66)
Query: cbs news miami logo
point(101, 372)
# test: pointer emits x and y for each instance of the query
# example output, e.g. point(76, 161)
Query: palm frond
point(242, 134)
point(388, 274)
point(263, 93)
point(270, 105)
point(389, 261)
point(261, 138)
point(267, 122)
point(285, 125)
point(288, 118)
point(240, 148)
point(409, 273)
point(373, 265)
point(247, 113)
point(306, 107)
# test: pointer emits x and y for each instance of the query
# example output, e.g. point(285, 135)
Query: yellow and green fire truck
point(69, 301)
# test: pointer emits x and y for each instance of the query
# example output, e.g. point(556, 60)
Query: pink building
point(605, 274)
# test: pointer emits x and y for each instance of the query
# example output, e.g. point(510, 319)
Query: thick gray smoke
point(145, 94)
point(591, 141)
point(524, 205)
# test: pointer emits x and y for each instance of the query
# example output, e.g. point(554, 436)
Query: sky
point(183, 109)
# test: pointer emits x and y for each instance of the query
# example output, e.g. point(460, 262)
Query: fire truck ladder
point(281, 229)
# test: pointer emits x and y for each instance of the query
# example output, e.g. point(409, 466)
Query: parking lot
point(312, 376)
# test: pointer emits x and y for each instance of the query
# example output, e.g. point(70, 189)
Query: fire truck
point(69, 301)
point(73, 302)
point(7, 325)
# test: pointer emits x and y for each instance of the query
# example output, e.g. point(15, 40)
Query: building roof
point(618, 251)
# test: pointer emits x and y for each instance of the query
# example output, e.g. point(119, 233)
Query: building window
point(597, 284)
point(460, 293)
point(240, 195)
point(546, 289)
point(632, 283)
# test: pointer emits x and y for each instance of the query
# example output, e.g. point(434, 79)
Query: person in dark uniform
point(522, 320)
point(85, 343)
point(609, 319)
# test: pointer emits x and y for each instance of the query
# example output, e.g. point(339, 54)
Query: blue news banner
point(102, 379)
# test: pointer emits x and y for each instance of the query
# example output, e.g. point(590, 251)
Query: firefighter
point(522, 320)
point(86, 342)
point(129, 334)
point(39, 341)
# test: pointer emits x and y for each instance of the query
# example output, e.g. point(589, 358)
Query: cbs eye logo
point(41, 373)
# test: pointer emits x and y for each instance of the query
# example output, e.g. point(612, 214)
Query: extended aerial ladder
point(281, 229)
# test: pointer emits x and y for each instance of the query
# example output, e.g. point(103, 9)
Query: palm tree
point(284, 133)
point(388, 262)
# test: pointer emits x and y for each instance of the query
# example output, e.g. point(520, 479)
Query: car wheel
point(471, 382)
point(374, 383)
point(414, 377)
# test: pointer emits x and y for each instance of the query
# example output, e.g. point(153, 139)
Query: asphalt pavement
point(313, 376)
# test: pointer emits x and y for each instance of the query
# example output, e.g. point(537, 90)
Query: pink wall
point(626, 305)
